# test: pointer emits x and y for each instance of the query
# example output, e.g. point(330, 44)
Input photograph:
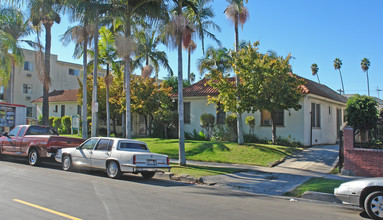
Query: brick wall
point(359, 161)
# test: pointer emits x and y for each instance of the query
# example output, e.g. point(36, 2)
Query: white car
point(115, 155)
point(366, 193)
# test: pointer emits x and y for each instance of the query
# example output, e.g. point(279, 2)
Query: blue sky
point(312, 31)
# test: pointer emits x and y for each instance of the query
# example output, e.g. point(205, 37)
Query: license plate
point(152, 162)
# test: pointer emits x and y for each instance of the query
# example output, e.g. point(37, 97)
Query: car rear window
point(37, 130)
point(129, 146)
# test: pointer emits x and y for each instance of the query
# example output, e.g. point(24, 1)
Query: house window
point(266, 118)
point(55, 109)
point(221, 115)
point(315, 115)
point(187, 112)
point(74, 72)
point(62, 110)
point(27, 89)
point(329, 110)
point(28, 66)
point(29, 112)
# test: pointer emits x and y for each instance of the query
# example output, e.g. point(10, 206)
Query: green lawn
point(198, 171)
point(316, 184)
point(215, 151)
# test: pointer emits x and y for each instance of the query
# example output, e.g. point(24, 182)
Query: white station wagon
point(115, 155)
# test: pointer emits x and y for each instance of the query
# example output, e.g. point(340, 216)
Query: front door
point(101, 153)
point(82, 155)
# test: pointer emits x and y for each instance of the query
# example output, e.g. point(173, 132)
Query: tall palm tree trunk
point(47, 64)
point(107, 102)
point(341, 80)
point(84, 88)
point(237, 82)
point(189, 52)
point(94, 94)
point(181, 134)
point(318, 78)
point(127, 84)
point(368, 84)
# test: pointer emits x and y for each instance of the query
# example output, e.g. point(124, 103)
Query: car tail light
point(167, 160)
point(134, 159)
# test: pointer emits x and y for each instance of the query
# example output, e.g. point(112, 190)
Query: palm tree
point(314, 70)
point(13, 28)
point(201, 20)
point(215, 59)
point(191, 47)
point(238, 14)
point(148, 40)
point(337, 66)
point(128, 10)
point(365, 64)
point(179, 31)
point(192, 77)
point(45, 12)
point(107, 57)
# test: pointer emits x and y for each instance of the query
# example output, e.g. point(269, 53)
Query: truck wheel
point(374, 205)
point(67, 163)
point(147, 175)
point(113, 170)
point(33, 157)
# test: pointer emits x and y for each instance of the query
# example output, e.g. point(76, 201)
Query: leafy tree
point(147, 97)
point(231, 124)
point(172, 82)
point(337, 66)
point(365, 64)
point(266, 84)
point(207, 122)
point(238, 14)
point(215, 59)
point(362, 113)
point(314, 70)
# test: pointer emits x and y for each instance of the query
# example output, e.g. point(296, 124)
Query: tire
point(67, 164)
point(33, 157)
point(374, 205)
point(113, 170)
point(147, 175)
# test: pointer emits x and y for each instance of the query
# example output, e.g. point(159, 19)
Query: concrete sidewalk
point(312, 162)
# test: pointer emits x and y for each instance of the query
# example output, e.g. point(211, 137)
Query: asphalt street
point(47, 192)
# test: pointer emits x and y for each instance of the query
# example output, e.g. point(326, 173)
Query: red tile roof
point(60, 96)
point(201, 88)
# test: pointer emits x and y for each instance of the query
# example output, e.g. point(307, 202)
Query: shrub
point(361, 112)
point(40, 122)
point(207, 122)
point(50, 120)
point(199, 136)
point(250, 121)
point(56, 122)
point(66, 122)
point(231, 124)
point(221, 133)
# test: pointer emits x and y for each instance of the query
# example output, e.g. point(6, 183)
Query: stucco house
point(326, 105)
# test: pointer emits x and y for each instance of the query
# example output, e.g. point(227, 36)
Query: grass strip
point(315, 184)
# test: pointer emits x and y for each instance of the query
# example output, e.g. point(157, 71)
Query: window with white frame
point(74, 72)
point(315, 115)
point(187, 112)
point(266, 118)
point(27, 88)
point(55, 109)
point(28, 66)
point(29, 112)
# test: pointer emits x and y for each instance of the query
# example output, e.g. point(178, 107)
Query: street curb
point(326, 197)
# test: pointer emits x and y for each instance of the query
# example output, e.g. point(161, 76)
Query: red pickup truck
point(35, 142)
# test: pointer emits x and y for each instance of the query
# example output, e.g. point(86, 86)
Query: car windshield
point(132, 146)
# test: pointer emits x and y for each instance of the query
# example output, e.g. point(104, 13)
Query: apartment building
point(26, 85)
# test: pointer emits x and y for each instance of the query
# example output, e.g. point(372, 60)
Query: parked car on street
point(36, 142)
point(115, 155)
point(366, 193)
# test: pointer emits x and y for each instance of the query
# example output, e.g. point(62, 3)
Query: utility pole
point(378, 90)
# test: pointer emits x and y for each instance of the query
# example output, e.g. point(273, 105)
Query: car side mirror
point(5, 134)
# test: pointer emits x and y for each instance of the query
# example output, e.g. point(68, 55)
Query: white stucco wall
point(296, 123)
point(327, 133)
point(70, 109)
